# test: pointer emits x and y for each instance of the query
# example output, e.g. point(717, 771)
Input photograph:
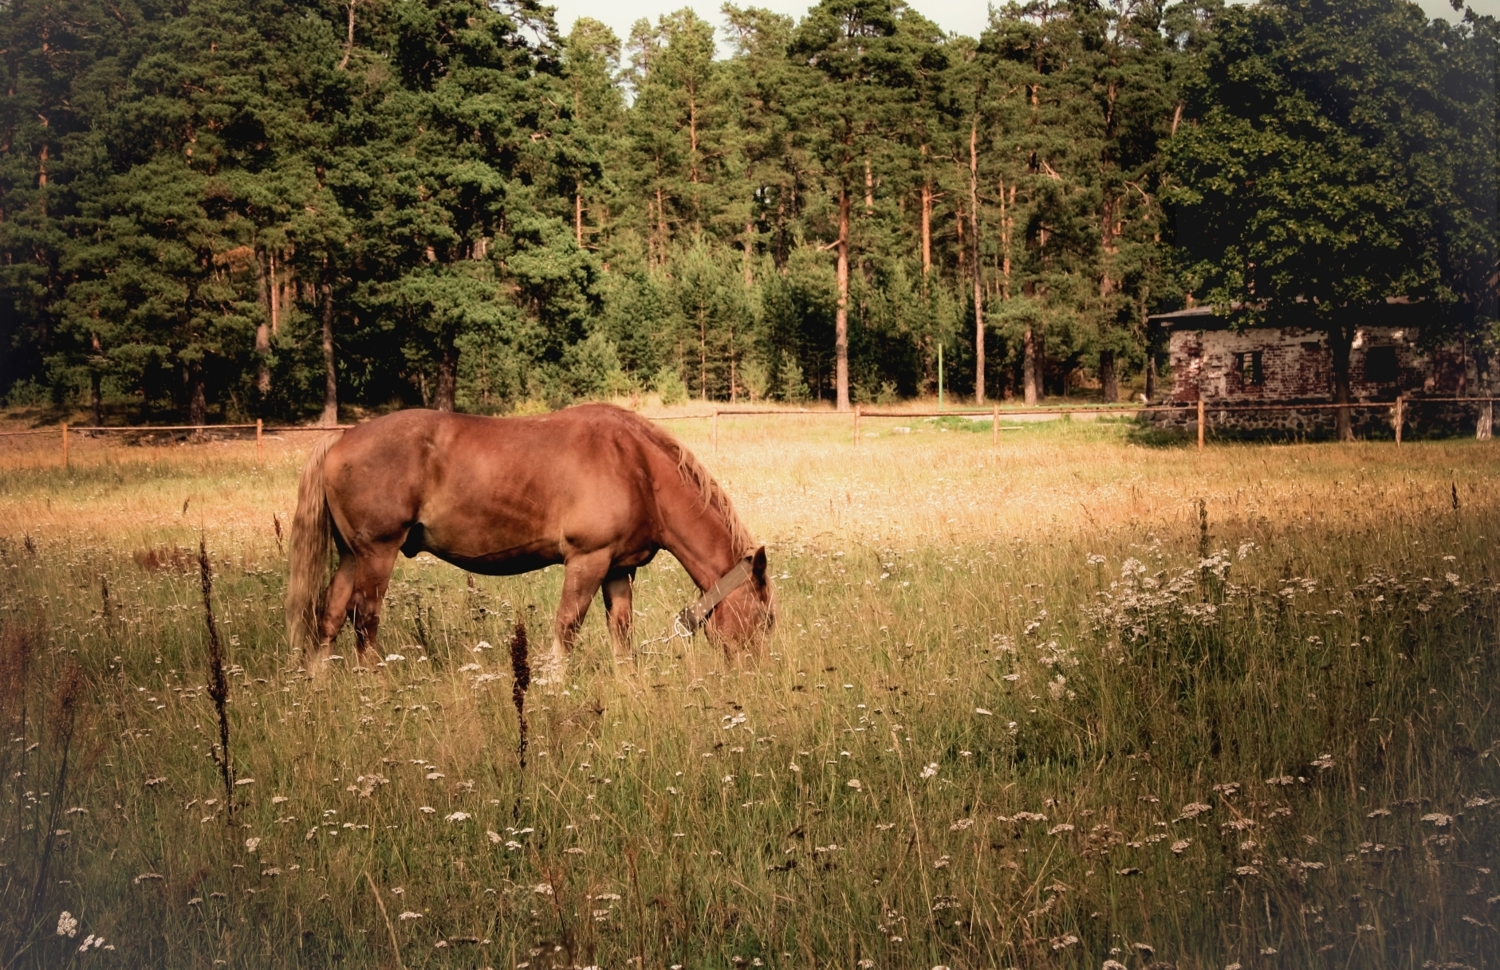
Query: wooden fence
point(1398, 409)
point(995, 413)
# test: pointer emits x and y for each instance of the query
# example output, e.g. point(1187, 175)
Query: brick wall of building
point(1296, 365)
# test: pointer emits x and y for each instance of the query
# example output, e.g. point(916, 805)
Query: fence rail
point(995, 413)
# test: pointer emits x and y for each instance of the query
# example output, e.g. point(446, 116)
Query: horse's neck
point(698, 537)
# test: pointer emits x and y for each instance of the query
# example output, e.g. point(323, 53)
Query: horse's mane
point(710, 492)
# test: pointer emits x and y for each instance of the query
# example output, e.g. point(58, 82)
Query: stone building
point(1287, 364)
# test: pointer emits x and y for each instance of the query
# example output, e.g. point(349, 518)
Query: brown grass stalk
point(520, 666)
point(64, 718)
point(218, 683)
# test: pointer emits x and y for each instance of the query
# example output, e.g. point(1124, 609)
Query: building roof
point(1396, 311)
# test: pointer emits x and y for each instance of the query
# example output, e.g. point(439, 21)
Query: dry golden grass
point(1278, 735)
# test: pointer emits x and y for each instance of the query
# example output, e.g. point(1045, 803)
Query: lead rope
point(679, 631)
point(681, 628)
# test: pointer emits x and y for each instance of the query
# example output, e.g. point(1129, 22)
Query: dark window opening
point(1381, 366)
point(1252, 371)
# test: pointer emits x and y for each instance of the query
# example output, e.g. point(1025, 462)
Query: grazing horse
point(593, 487)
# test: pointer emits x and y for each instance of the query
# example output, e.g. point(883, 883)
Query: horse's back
point(496, 488)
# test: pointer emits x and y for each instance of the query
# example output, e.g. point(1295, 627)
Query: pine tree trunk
point(1005, 220)
point(578, 218)
point(1485, 428)
point(1150, 374)
point(978, 262)
point(447, 377)
point(275, 295)
point(841, 313)
point(661, 224)
point(749, 254)
point(330, 415)
point(263, 332)
point(1032, 371)
point(926, 229)
point(96, 379)
point(1108, 379)
point(1341, 342)
point(702, 356)
point(197, 400)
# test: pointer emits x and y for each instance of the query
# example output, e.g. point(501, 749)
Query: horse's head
point(749, 610)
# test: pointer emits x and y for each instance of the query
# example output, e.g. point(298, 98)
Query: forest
point(215, 211)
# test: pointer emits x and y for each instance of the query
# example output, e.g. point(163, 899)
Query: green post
point(940, 377)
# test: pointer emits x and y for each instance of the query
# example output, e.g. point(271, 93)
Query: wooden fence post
point(857, 409)
point(995, 427)
point(259, 428)
point(716, 431)
point(1200, 423)
point(65, 444)
point(1400, 415)
point(1486, 426)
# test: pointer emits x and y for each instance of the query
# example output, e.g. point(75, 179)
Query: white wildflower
point(252, 844)
point(457, 817)
point(930, 770)
point(67, 925)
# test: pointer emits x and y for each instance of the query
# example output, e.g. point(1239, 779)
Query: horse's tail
point(312, 538)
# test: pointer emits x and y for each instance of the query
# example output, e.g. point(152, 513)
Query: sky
point(956, 16)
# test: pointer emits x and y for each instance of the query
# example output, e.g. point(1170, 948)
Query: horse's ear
point(758, 565)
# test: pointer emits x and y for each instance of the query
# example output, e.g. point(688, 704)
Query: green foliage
point(792, 388)
point(593, 368)
point(755, 378)
point(668, 383)
point(191, 195)
point(1344, 154)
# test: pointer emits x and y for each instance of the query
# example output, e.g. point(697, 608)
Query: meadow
point(1078, 700)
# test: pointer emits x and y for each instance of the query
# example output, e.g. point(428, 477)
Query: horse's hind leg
point(335, 610)
point(372, 576)
point(618, 587)
point(582, 576)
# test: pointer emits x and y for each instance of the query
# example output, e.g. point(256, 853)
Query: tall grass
point(1020, 709)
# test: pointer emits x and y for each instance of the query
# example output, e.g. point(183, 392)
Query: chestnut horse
point(593, 487)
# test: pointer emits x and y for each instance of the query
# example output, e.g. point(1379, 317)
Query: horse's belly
point(490, 552)
point(505, 564)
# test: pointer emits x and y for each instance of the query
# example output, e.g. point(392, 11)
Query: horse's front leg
point(582, 576)
point(618, 587)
